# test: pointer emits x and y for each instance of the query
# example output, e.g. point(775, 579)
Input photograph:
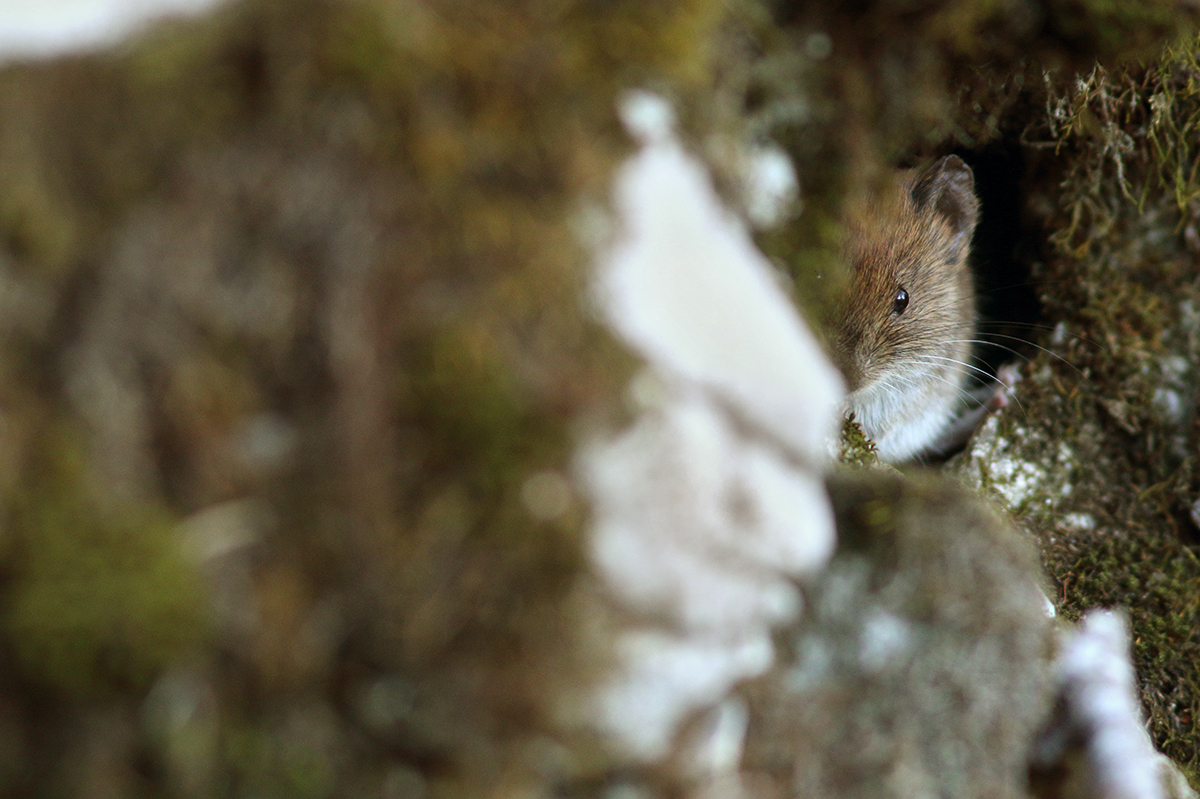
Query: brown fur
point(915, 237)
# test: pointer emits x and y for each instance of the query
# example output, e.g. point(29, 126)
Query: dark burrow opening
point(1004, 246)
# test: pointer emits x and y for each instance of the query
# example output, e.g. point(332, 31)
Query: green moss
point(1158, 582)
point(35, 227)
point(1106, 449)
point(472, 404)
point(808, 251)
point(1117, 28)
point(275, 760)
point(100, 599)
point(855, 448)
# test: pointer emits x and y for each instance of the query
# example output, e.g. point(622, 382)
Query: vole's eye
point(900, 303)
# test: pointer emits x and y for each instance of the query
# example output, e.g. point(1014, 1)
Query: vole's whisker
point(912, 381)
point(985, 373)
point(985, 342)
point(1051, 353)
point(1006, 323)
point(1033, 326)
point(967, 395)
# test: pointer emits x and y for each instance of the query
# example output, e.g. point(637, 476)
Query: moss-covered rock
point(1097, 459)
point(923, 663)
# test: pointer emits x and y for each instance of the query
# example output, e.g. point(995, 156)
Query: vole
point(902, 336)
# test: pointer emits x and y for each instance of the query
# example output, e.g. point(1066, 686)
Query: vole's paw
point(984, 401)
point(994, 396)
point(1009, 374)
point(1007, 378)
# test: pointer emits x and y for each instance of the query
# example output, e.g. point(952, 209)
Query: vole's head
point(911, 301)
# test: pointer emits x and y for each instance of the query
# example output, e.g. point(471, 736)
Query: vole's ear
point(948, 187)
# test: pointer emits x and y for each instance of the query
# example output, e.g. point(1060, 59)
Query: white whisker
point(1051, 353)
